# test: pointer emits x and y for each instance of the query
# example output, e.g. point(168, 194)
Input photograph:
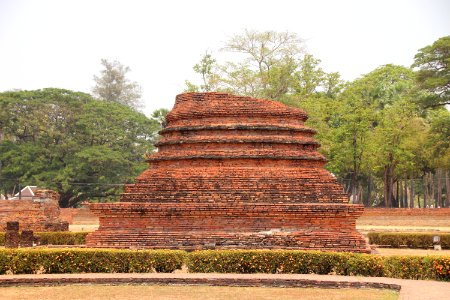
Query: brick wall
point(35, 214)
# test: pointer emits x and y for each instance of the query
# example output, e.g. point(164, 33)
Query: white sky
point(59, 43)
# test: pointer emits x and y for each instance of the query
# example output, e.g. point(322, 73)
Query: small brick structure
point(12, 235)
point(232, 172)
point(27, 238)
point(41, 213)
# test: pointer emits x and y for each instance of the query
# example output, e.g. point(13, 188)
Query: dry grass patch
point(414, 252)
point(397, 228)
point(83, 227)
point(132, 292)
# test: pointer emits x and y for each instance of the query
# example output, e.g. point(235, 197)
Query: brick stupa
point(232, 172)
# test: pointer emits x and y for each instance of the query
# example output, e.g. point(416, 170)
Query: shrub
point(284, 261)
point(62, 238)
point(31, 261)
point(56, 238)
point(410, 240)
point(305, 262)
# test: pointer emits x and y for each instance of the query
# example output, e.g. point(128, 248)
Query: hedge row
point(32, 261)
point(56, 238)
point(305, 262)
point(27, 261)
point(410, 240)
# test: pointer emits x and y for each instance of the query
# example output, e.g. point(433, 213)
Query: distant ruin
point(35, 209)
point(236, 173)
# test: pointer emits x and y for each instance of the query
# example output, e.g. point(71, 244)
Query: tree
point(70, 142)
point(207, 69)
point(433, 76)
point(112, 85)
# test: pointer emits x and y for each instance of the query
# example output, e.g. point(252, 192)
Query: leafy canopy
point(72, 143)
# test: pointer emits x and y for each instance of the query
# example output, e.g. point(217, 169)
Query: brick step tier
point(260, 139)
point(235, 184)
point(329, 227)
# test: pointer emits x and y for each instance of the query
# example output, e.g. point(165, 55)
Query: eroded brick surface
point(232, 172)
point(34, 214)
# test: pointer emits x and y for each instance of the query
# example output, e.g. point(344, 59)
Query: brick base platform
point(238, 226)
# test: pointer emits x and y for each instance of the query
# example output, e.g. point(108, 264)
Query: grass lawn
point(74, 292)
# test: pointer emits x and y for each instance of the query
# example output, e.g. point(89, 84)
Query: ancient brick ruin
point(38, 213)
point(232, 172)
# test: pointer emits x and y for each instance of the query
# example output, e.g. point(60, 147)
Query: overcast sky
point(59, 43)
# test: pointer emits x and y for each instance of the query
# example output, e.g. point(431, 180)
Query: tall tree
point(433, 75)
point(113, 85)
point(70, 142)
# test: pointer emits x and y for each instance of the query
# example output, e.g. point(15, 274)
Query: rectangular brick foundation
point(238, 226)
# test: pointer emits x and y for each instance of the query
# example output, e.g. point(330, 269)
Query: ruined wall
point(40, 214)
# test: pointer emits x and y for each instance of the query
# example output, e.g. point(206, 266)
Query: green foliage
point(372, 130)
point(410, 240)
point(412, 267)
point(69, 142)
point(32, 261)
point(56, 238)
point(433, 76)
point(283, 261)
point(29, 261)
point(315, 262)
point(62, 238)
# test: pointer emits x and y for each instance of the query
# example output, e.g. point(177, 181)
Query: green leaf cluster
point(50, 261)
point(410, 240)
point(72, 143)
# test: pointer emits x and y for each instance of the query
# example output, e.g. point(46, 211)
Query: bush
point(305, 262)
point(284, 261)
point(56, 238)
point(410, 240)
point(32, 261)
point(62, 238)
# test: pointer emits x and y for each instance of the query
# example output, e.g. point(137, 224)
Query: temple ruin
point(232, 172)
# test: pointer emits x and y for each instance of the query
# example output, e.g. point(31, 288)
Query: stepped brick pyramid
point(232, 172)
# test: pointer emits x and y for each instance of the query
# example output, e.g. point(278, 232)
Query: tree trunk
point(433, 194)
point(369, 191)
point(439, 187)
point(447, 189)
point(391, 187)
point(399, 192)
point(411, 198)
point(418, 200)
point(425, 191)
point(405, 199)
point(386, 187)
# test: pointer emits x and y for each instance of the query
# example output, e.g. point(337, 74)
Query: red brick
point(232, 172)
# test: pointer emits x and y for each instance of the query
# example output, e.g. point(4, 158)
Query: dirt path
point(410, 289)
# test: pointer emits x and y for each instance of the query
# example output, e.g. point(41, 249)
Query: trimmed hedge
point(410, 240)
point(29, 261)
point(305, 262)
point(32, 261)
point(56, 238)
